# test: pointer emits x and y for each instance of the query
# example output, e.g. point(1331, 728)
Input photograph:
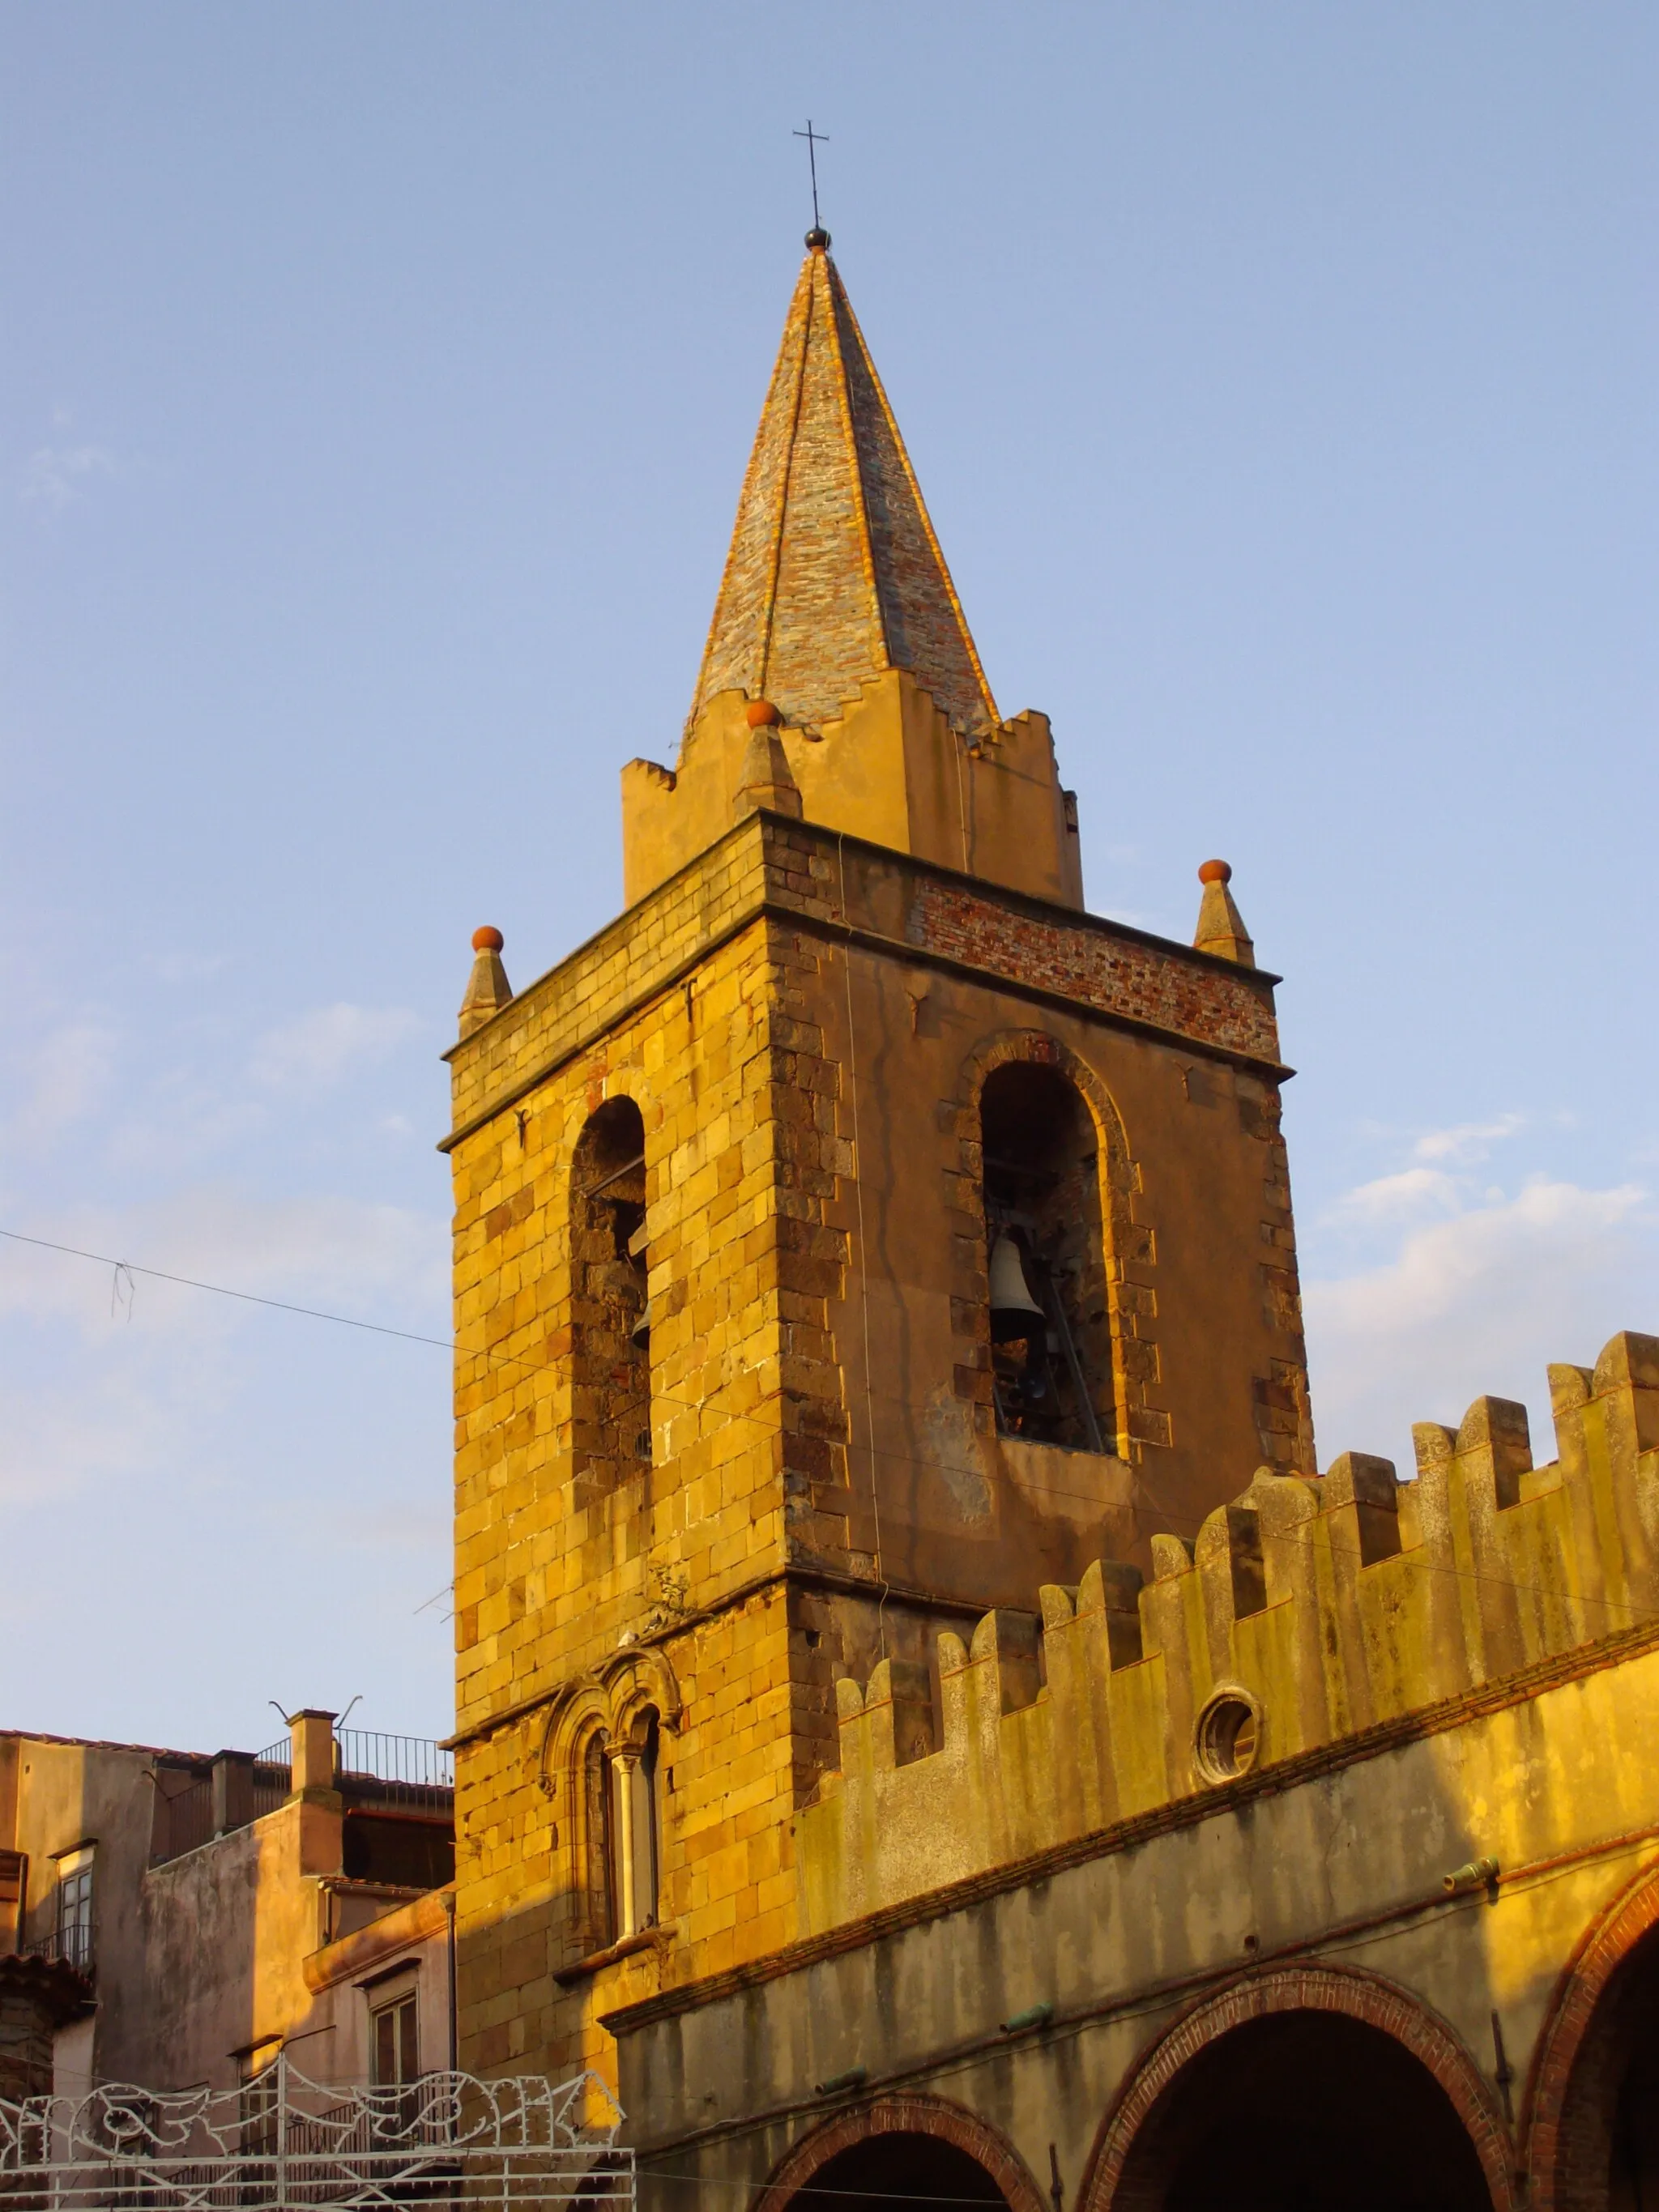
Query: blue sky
point(380, 382)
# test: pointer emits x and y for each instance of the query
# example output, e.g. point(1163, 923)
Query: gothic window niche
point(1051, 1328)
point(618, 1787)
point(610, 1404)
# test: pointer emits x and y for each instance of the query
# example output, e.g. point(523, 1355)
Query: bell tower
point(853, 1237)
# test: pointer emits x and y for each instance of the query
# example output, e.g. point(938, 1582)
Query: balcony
point(65, 1947)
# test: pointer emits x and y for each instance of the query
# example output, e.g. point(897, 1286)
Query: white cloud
point(1469, 1142)
point(315, 1051)
point(56, 476)
point(63, 1077)
point(1479, 1301)
point(1395, 1197)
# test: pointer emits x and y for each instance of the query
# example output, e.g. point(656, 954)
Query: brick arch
point(1556, 2160)
point(1128, 1245)
point(909, 2116)
point(1361, 1997)
point(1037, 1048)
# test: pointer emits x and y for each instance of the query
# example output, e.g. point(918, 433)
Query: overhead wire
point(1156, 1512)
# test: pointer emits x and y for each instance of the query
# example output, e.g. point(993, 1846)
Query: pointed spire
point(1220, 925)
point(834, 574)
point(488, 989)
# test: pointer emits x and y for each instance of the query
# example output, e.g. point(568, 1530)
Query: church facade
point(924, 1726)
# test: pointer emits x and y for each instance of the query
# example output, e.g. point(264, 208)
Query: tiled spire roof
point(834, 574)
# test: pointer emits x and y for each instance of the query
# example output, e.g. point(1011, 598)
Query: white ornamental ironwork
point(284, 2144)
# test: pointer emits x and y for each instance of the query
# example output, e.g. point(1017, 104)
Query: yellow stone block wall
point(554, 1584)
point(825, 1483)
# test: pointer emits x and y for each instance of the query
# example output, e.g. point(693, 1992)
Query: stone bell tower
point(852, 1237)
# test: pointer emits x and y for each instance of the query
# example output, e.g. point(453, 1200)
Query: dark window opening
point(611, 1309)
point(404, 1854)
point(599, 1895)
point(634, 1771)
point(1052, 1368)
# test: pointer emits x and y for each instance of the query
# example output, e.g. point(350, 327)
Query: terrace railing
point(285, 2143)
point(411, 1771)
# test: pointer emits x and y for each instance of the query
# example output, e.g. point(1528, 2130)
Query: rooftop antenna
point(818, 236)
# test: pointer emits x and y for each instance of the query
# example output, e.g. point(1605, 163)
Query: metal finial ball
point(818, 239)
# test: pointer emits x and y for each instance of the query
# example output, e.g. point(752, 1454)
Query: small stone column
point(625, 1762)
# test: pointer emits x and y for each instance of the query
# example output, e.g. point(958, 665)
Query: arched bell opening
point(1052, 1364)
point(611, 1314)
point(1302, 2112)
point(1607, 2156)
point(886, 2172)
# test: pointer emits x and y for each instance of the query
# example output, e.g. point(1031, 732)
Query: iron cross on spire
point(818, 235)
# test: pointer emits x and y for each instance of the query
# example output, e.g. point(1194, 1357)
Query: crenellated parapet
point(1304, 1612)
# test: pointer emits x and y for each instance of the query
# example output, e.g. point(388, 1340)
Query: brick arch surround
point(1361, 1996)
point(1129, 1247)
point(909, 2116)
point(1556, 2125)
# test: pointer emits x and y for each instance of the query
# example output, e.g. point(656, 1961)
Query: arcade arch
point(1305, 2091)
point(1593, 2138)
point(894, 2153)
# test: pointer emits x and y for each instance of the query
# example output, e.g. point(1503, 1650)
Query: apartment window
point(394, 2042)
point(75, 1911)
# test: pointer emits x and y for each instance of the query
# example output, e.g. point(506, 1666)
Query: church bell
point(641, 1332)
point(1014, 1311)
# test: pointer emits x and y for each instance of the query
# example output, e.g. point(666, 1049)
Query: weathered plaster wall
point(69, 1794)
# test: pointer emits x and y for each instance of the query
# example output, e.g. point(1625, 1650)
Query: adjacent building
point(174, 1921)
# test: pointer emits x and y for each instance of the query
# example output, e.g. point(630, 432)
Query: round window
point(1225, 1740)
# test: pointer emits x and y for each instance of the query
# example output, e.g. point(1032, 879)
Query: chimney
point(314, 1752)
point(232, 1791)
